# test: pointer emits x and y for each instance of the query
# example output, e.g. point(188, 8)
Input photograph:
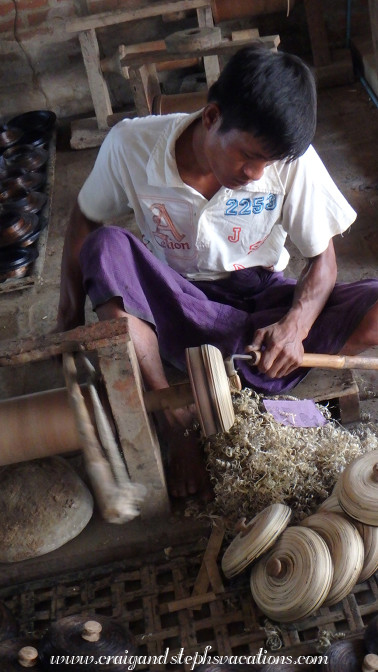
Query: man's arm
point(72, 295)
point(282, 342)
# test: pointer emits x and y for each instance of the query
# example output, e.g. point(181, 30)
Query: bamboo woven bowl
point(211, 389)
point(368, 533)
point(369, 536)
point(358, 489)
point(292, 580)
point(331, 504)
point(346, 548)
point(255, 538)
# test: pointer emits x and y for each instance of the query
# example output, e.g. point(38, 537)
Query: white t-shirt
point(235, 229)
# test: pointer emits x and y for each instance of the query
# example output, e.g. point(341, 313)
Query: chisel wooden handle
point(328, 361)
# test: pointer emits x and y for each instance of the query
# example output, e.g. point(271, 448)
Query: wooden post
point(373, 9)
point(97, 84)
point(211, 63)
point(350, 407)
point(145, 86)
point(120, 370)
point(318, 33)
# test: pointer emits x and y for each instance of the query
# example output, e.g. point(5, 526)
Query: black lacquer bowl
point(25, 158)
point(15, 263)
point(36, 121)
point(22, 200)
point(16, 227)
point(28, 181)
point(9, 137)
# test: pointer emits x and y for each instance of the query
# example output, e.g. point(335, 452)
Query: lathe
point(109, 414)
point(127, 475)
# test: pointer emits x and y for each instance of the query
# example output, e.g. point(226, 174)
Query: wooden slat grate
point(141, 598)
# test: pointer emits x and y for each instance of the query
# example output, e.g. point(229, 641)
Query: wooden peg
point(242, 528)
point(28, 656)
point(113, 63)
point(375, 472)
point(92, 631)
point(370, 663)
point(274, 567)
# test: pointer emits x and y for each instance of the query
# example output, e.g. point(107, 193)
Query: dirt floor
point(346, 141)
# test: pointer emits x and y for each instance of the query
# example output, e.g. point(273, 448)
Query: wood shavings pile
point(260, 462)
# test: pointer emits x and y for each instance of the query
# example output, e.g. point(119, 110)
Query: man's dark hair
point(270, 94)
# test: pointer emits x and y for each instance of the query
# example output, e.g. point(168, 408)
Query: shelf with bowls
point(27, 166)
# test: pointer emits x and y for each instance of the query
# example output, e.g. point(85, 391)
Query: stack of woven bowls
point(24, 142)
point(319, 561)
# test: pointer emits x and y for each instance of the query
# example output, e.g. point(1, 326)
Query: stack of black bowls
point(24, 154)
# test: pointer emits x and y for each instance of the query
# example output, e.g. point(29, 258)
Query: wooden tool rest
point(144, 81)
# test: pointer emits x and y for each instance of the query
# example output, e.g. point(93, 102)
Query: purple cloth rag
point(224, 313)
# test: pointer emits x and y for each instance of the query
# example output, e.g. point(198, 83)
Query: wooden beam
point(39, 348)
point(145, 87)
point(350, 407)
point(208, 572)
point(125, 15)
point(123, 382)
point(226, 47)
point(187, 603)
point(211, 63)
point(97, 84)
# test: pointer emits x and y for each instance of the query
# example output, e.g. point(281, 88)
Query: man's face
point(235, 157)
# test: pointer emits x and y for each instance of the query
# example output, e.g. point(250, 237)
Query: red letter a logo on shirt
point(164, 224)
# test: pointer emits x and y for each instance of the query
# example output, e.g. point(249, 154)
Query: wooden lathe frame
point(124, 386)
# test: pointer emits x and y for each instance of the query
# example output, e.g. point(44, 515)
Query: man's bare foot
point(187, 474)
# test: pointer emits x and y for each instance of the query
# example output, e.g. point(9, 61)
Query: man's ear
point(211, 116)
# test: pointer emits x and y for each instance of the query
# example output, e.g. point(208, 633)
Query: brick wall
point(30, 17)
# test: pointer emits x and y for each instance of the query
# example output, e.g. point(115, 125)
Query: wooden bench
point(327, 384)
point(143, 74)
point(86, 27)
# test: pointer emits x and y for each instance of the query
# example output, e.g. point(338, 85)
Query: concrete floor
point(346, 141)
